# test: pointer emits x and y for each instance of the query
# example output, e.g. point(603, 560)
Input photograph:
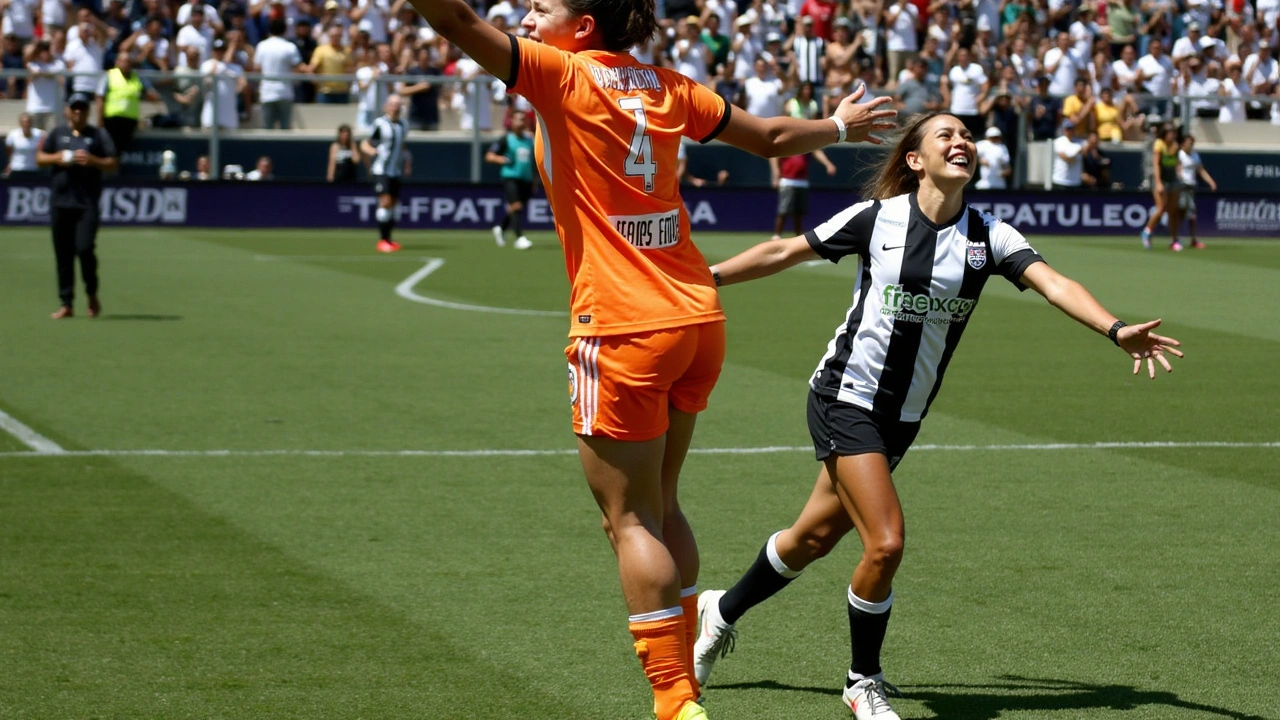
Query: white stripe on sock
point(771, 549)
point(867, 606)
point(666, 614)
point(689, 592)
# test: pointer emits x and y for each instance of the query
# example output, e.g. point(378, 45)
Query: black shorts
point(841, 429)
point(517, 191)
point(386, 185)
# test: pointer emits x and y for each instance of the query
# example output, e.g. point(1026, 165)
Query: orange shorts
point(620, 385)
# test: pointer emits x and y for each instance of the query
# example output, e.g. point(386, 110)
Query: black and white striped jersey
point(388, 139)
point(917, 286)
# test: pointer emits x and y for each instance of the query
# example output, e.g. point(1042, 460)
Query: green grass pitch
point(312, 571)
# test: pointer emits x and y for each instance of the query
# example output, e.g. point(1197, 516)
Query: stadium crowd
point(1104, 64)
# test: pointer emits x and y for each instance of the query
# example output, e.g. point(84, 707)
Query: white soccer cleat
point(716, 638)
point(497, 236)
point(868, 701)
point(523, 243)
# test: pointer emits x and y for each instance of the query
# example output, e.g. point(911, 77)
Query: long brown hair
point(891, 176)
point(622, 23)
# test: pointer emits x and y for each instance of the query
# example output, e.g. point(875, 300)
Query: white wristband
point(840, 128)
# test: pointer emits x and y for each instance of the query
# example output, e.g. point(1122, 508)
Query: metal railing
point(478, 90)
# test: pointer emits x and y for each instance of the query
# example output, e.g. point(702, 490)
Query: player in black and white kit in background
point(385, 145)
point(924, 257)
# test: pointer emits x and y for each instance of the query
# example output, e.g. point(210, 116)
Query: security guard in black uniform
point(78, 153)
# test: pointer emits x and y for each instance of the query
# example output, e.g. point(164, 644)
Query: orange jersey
point(609, 130)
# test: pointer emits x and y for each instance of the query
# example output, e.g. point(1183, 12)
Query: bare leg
point(676, 533)
point(822, 524)
point(867, 492)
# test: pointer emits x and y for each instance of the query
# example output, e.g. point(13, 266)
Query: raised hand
point(1142, 344)
point(864, 119)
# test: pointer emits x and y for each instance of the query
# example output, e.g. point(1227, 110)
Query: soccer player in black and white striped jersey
point(386, 146)
point(924, 256)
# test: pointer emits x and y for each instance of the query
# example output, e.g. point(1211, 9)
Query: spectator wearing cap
point(842, 56)
point(1045, 112)
point(747, 45)
point(774, 55)
point(277, 57)
point(964, 89)
point(808, 54)
point(994, 165)
point(1068, 163)
point(915, 94)
point(79, 154)
point(120, 97)
point(822, 14)
point(689, 54)
point(1189, 45)
point(902, 27)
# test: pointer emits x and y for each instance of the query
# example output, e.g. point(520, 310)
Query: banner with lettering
point(466, 207)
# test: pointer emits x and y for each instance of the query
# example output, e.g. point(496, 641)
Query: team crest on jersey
point(977, 256)
point(573, 385)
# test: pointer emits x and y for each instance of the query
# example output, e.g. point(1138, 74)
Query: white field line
point(406, 291)
point(340, 258)
point(59, 452)
point(25, 435)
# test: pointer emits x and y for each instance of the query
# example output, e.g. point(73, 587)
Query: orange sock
point(660, 645)
point(690, 605)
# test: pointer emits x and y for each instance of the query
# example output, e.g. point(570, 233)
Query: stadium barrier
point(452, 207)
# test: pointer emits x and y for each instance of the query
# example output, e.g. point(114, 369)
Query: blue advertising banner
point(300, 205)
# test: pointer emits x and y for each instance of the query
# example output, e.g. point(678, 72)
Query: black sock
point(506, 222)
point(866, 634)
point(384, 229)
point(761, 582)
point(515, 222)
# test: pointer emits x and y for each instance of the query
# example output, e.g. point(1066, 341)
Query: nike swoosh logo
point(892, 247)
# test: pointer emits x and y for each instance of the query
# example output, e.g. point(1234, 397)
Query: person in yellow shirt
point(120, 94)
point(1079, 107)
point(1166, 185)
point(332, 59)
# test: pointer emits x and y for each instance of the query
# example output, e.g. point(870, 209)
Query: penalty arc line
point(25, 435)
point(406, 291)
point(59, 452)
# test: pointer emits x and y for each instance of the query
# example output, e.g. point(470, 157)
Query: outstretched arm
point(785, 136)
point(763, 260)
point(456, 21)
point(1073, 299)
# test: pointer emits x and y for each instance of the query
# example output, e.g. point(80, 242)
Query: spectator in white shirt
point(994, 165)
point(1232, 110)
point(1156, 73)
point(197, 34)
point(277, 56)
point(964, 88)
point(228, 82)
point(1062, 65)
point(1189, 45)
point(83, 57)
point(371, 16)
point(902, 23)
point(764, 90)
point(1126, 72)
point(22, 143)
point(1260, 76)
point(689, 53)
point(263, 169)
point(1067, 161)
point(55, 14)
point(19, 19)
point(44, 88)
point(210, 15)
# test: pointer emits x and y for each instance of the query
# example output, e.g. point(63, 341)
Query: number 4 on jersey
point(640, 161)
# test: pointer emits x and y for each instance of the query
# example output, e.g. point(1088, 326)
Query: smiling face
point(946, 153)
point(550, 22)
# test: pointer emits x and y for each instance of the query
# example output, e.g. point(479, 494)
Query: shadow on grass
point(989, 701)
point(143, 318)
